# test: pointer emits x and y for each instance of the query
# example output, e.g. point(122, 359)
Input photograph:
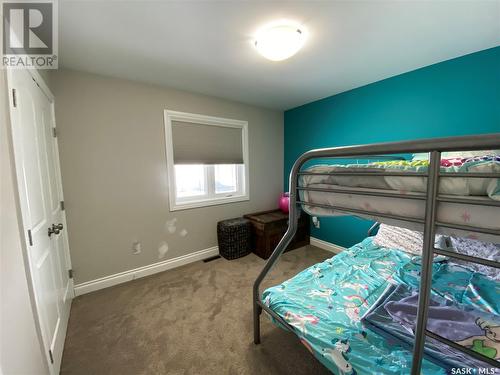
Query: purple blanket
point(445, 320)
point(394, 316)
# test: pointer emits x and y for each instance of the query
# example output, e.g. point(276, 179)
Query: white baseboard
point(122, 277)
point(328, 246)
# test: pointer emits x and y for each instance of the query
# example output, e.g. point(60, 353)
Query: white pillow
point(468, 154)
point(407, 240)
point(455, 154)
point(478, 249)
point(403, 239)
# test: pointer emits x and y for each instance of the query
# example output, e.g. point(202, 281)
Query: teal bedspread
point(325, 303)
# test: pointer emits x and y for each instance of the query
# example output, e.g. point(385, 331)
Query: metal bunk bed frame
point(433, 146)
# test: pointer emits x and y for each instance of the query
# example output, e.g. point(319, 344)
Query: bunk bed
point(377, 309)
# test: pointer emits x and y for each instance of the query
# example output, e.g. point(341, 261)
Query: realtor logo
point(29, 35)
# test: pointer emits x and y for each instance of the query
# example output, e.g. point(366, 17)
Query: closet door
point(40, 196)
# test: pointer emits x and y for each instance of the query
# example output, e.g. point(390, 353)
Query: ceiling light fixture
point(280, 40)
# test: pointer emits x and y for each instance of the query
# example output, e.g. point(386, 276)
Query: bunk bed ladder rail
point(435, 147)
point(428, 252)
point(293, 217)
point(427, 258)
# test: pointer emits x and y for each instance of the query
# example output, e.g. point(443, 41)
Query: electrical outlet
point(136, 248)
point(315, 221)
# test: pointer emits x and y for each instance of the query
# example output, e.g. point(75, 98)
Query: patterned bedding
point(452, 213)
point(325, 303)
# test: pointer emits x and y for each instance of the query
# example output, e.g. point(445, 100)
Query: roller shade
point(206, 144)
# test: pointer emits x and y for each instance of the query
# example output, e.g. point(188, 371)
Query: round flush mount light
point(280, 40)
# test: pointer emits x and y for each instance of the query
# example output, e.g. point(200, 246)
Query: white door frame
point(23, 212)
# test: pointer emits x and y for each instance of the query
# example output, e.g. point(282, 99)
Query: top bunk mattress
point(355, 193)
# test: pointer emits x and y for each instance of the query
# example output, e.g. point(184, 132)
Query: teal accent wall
point(452, 98)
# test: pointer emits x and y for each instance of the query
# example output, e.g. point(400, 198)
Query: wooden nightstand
point(269, 226)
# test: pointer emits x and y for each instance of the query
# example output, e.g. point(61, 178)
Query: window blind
point(206, 144)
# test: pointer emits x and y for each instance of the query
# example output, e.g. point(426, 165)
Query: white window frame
point(211, 199)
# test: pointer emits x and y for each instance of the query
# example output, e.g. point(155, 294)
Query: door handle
point(55, 229)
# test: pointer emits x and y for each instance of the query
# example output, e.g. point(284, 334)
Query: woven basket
point(234, 236)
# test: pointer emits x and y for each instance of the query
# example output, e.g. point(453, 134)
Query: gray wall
point(20, 350)
point(112, 150)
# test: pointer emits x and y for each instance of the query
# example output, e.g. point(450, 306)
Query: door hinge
point(30, 237)
point(14, 98)
point(62, 206)
point(70, 274)
point(54, 132)
point(51, 356)
point(36, 83)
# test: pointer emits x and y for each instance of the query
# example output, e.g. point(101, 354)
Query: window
point(207, 160)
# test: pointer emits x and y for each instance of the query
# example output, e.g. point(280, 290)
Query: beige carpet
point(196, 319)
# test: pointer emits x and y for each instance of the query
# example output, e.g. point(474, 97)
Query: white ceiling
point(205, 46)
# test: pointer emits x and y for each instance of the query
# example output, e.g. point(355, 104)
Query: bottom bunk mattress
point(325, 305)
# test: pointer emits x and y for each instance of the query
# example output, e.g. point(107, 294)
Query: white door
point(41, 201)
